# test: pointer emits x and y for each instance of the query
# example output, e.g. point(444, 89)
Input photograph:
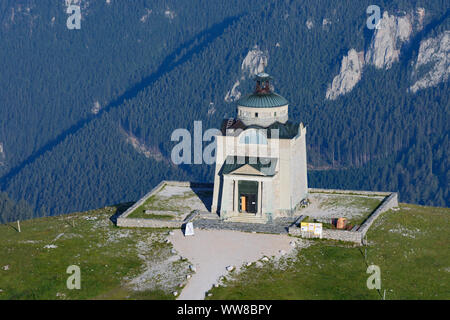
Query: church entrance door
point(248, 196)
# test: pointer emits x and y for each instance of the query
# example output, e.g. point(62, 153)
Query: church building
point(261, 170)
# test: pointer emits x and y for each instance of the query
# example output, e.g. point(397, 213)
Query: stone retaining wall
point(124, 221)
point(388, 203)
point(360, 192)
point(357, 236)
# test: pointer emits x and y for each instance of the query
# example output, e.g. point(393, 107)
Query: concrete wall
point(299, 172)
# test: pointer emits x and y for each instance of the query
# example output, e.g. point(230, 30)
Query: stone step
point(248, 218)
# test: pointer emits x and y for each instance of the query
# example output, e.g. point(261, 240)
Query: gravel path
point(212, 251)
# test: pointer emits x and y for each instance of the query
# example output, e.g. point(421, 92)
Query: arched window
point(253, 136)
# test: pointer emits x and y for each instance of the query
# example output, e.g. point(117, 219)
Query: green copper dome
point(263, 97)
point(268, 100)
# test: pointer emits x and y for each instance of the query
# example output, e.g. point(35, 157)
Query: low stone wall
point(356, 236)
point(388, 203)
point(363, 193)
point(148, 223)
point(124, 221)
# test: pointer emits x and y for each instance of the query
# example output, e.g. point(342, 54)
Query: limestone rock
point(254, 62)
point(349, 75)
point(386, 43)
point(434, 59)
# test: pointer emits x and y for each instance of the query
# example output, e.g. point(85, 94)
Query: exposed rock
point(230, 268)
point(169, 14)
point(387, 40)
point(254, 62)
point(234, 94)
point(96, 108)
point(325, 23)
point(6, 268)
point(192, 268)
point(391, 34)
point(420, 15)
point(433, 62)
point(145, 16)
point(349, 75)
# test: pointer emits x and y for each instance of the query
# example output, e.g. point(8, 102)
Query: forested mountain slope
point(86, 116)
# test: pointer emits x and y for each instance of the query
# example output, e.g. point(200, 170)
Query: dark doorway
point(248, 196)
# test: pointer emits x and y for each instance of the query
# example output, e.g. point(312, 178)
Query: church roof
point(264, 100)
point(262, 97)
point(286, 130)
point(263, 166)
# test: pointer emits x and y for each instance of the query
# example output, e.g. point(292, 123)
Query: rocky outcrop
point(254, 62)
point(349, 75)
point(433, 62)
point(233, 94)
point(387, 40)
point(384, 50)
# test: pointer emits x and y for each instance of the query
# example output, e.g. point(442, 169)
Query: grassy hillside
point(114, 262)
point(408, 245)
point(120, 263)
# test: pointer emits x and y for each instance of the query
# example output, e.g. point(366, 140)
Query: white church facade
point(261, 169)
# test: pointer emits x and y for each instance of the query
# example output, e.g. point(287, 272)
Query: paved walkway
point(211, 251)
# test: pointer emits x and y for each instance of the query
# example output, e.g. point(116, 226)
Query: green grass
point(104, 258)
point(156, 203)
point(365, 204)
point(410, 246)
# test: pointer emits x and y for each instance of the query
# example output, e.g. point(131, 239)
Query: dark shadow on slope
point(120, 208)
point(182, 54)
point(204, 191)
